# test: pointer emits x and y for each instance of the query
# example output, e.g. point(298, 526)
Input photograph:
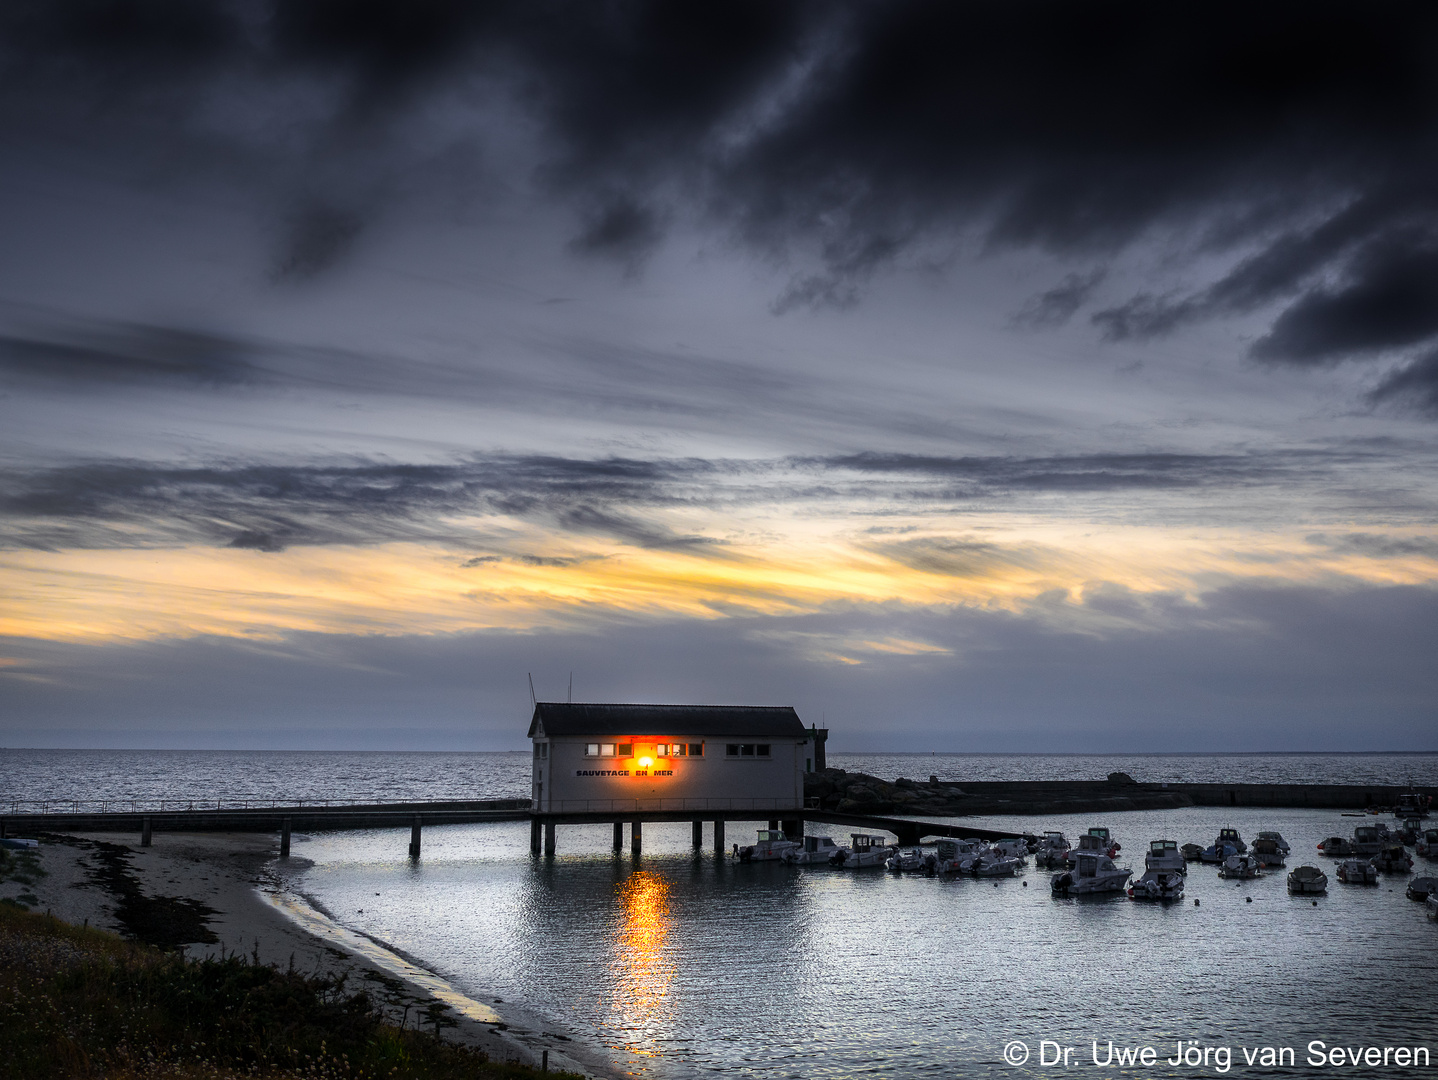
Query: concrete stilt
point(773, 823)
point(414, 838)
point(534, 836)
point(3, 833)
point(696, 833)
point(636, 837)
point(549, 837)
point(619, 836)
point(719, 837)
point(145, 831)
point(794, 829)
point(285, 838)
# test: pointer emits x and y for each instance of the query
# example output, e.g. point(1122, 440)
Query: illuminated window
point(606, 749)
point(662, 749)
point(599, 749)
point(591, 749)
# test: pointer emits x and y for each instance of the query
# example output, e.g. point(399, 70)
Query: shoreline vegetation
point(82, 1002)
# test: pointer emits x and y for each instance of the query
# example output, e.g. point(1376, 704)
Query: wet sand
point(217, 893)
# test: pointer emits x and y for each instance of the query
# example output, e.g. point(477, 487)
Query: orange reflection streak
point(643, 968)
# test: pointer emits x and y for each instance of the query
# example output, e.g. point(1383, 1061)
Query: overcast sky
point(988, 376)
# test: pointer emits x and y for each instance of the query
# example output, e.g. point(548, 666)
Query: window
point(746, 750)
point(763, 749)
point(696, 749)
point(662, 749)
point(598, 749)
point(625, 750)
point(679, 749)
point(591, 749)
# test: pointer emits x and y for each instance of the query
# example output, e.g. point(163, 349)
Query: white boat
point(1357, 872)
point(1277, 838)
point(1241, 867)
point(864, 850)
point(1227, 843)
point(1053, 851)
point(1427, 845)
point(1094, 842)
point(1307, 879)
point(771, 846)
point(1337, 847)
point(1368, 840)
point(815, 849)
point(994, 863)
point(1267, 852)
point(1164, 856)
point(1393, 859)
point(1157, 885)
point(950, 855)
point(905, 860)
point(1413, 805)
point(1014, 849)
point(1092, 873)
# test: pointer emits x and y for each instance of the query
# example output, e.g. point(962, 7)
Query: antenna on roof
point(532, 699)
point(571, 687)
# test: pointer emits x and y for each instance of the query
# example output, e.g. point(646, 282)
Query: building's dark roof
point(774, 721)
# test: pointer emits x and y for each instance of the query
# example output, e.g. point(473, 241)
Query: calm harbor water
point(285, 775)
point(692, 966)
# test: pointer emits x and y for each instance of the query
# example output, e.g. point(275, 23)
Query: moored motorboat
point(1241, 867)
point(1157, 885)
point(1427, 845)
point(1307, 879)
point(1368, 840)
point(1337, 847)
point(1192, 852)
point(1053, 851)
point(994, 863)
point(1268, 852)
point(1409, 831)
point(905, 860)
point(814, 849)
point(771, 846)
point(864, 850)
point(1092, 873)
point(1413, 804)
point(1357, 872)
point(1094, 842)
point(1164, 856)
point(1014, 848)
point(1277, 838)
point(1393, 859)
point(1421, 888)
point(951, 856)
point(1433, 906)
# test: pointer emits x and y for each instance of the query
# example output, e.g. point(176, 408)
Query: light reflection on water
point(688, 966)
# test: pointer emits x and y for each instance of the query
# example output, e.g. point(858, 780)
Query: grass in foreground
point(84, 1003)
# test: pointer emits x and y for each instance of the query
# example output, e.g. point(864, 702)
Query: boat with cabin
point(813, 849)
point(1164, 856)
point(1053, 851)
point(865, 850)
point(1267, 852)
point(1393, 859)
point(1368, 840)
point(771, 846)
point(1421, 888)
point(1093, 873)
point(1241, 867)
point(1357, 872)
point(1337, 847)
point(1413, 804)
point(1427, 845)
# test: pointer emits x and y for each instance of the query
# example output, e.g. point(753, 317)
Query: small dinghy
point(907, 860)
point(1337, 847)
point(1093, 873)
point(1157, 885)
point(1393, 859)
point(1307, 879)
point(1241, 867)
point(1192, 852)
point(1357, 872)
point(994, 863)
point(1421, 888)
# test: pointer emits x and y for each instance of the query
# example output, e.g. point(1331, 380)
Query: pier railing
point(171, 805)
point(634, 806)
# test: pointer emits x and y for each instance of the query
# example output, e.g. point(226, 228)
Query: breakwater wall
point(858, 793)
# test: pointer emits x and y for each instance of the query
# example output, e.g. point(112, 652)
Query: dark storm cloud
point(1414, 384)
point(1056, 306)
point(1297, 136)
point(271, 507)
point(127, 353)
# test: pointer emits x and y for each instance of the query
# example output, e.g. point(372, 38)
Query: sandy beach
point(213, 893)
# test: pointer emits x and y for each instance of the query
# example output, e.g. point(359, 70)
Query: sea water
point(686, 965)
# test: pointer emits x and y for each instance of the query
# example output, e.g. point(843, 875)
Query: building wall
point(568, 781)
